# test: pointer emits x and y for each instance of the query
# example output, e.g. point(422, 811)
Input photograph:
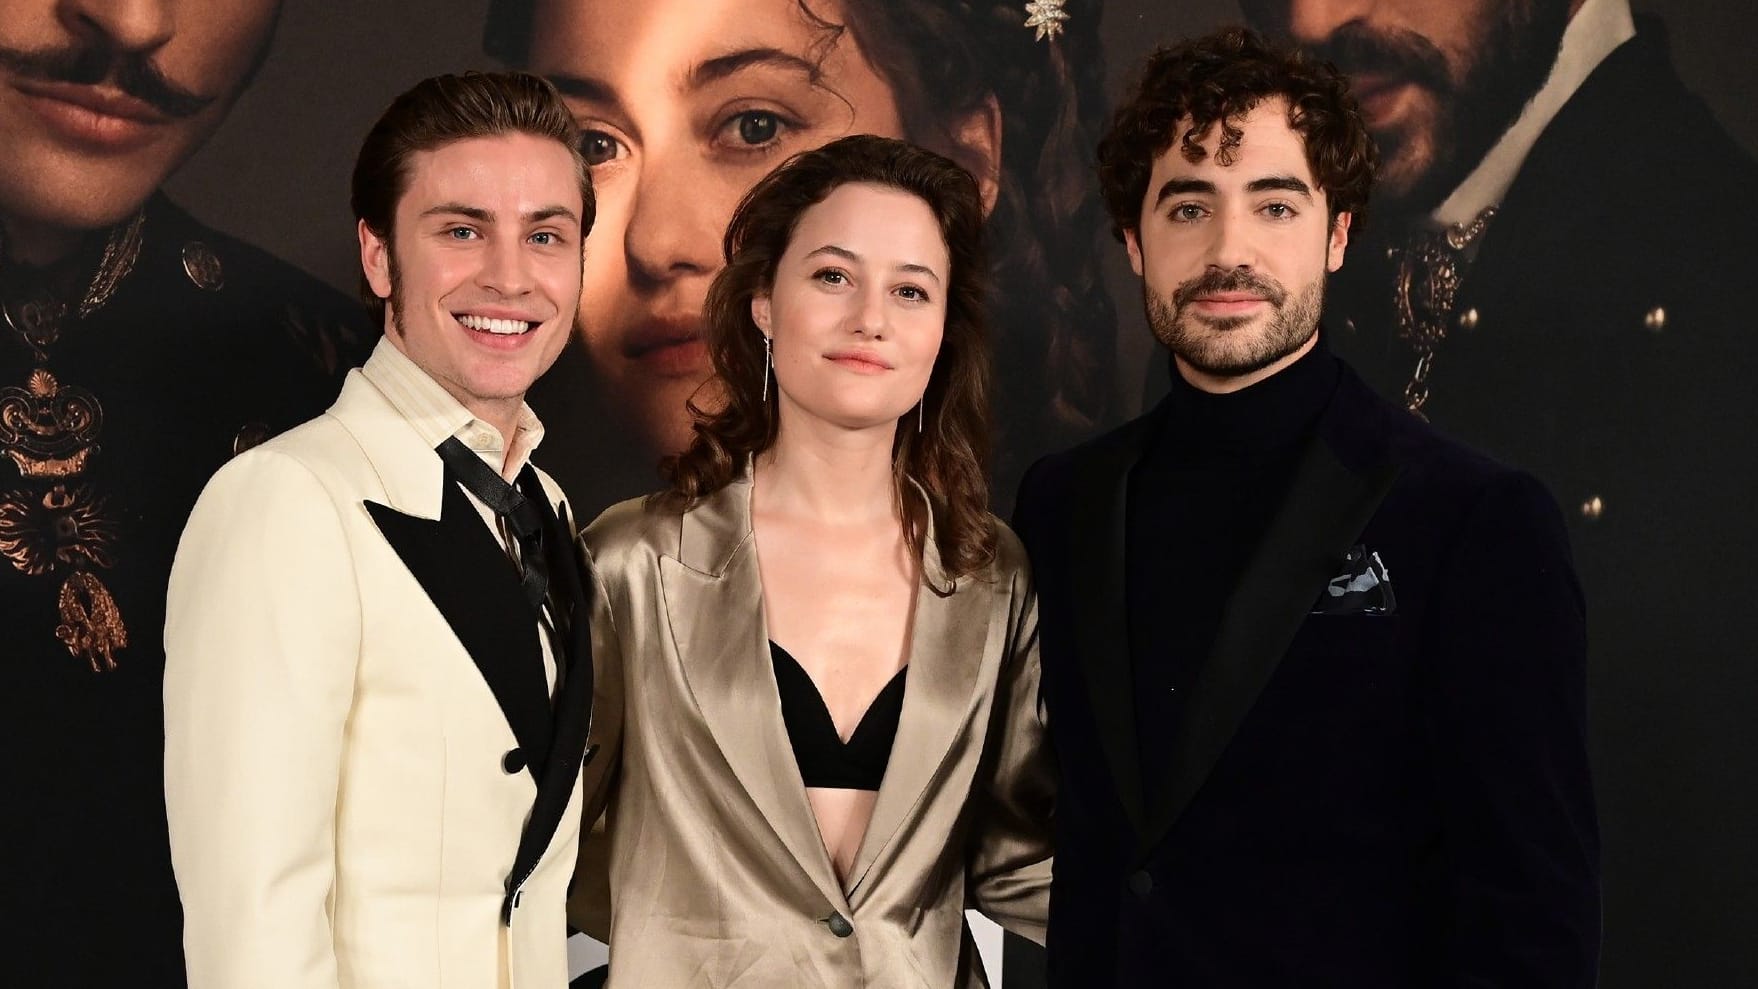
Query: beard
point(1476, 101)
point(1228, 347)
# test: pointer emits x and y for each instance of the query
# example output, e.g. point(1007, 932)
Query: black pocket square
point(1362, 587)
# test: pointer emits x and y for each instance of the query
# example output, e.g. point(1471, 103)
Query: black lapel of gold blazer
point(1323, 513)
point(470, 579)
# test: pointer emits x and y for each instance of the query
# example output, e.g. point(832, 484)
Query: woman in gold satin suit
point(817, 648)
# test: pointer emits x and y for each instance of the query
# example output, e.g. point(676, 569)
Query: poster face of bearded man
point(1438, 82)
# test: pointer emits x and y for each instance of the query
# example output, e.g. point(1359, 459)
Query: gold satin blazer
point(717, 876)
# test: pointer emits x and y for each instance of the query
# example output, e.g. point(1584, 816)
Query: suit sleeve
point(1009, 858)
point(1507, 637)
point(262, 641)
point(589, 895)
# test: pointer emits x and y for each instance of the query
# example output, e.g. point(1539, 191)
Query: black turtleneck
point(1198, 502)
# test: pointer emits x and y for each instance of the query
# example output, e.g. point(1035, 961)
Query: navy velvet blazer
point(1354, 799)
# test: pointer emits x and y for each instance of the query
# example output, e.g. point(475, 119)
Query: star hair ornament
point(1047, 16)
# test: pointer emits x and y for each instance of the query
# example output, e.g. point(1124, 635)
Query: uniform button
point(839, 925)
point(513, 761)
point(1468, 319)
point(1655, 319)
point(1592, 509)
point(1141, 884)
point(203, 267)
point(251, 434)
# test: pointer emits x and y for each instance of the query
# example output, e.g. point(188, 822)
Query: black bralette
point(825, 760)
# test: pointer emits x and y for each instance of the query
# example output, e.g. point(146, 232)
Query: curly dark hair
point(944, 59)
point(948, 457)
point(1215, 80)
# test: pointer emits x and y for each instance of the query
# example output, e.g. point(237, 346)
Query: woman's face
point(684, 105)
point(857, 310)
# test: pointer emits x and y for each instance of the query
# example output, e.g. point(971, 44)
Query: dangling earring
point(768, 359)
point(920, 414)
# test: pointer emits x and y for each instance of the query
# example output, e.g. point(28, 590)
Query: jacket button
point(839, 925)
point(513, 761)
point(1593, 508)
point(1141, 884)
point(1655, 319)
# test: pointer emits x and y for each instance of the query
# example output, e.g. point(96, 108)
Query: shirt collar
point(1596, 30)
point(436, 416)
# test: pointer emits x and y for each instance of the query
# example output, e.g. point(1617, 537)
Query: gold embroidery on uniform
point(48, 430)
point(1425, 292)
point(120, 253)
point(62, 528)
point(91, 624)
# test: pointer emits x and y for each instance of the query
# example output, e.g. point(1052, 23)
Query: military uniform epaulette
point(329, 330)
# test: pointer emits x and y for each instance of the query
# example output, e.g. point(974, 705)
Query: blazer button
point(839, 925)
point(513, 761)
point(1141, 884)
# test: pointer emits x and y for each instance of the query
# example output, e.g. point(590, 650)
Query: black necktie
point(521, 516)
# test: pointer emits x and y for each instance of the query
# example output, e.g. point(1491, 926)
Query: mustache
point(1232, 280)
point(1356, 49)
point(87, 65)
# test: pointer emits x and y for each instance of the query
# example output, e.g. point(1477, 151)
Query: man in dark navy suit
point(1315, 673)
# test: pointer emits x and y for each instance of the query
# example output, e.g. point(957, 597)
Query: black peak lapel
point(573, 714)
point(1100, 497)
point(1326, 508)
point(473, 583)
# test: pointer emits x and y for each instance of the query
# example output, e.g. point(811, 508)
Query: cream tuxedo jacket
point(717, 874)
point(361, 755)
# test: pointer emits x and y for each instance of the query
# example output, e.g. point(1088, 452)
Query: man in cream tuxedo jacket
point(378, 677)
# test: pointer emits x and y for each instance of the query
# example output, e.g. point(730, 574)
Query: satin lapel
point(1325, 510)
point(469, 578)
point(948, 642)
point(714, 605)
point(573, 707)
point(1100, 512)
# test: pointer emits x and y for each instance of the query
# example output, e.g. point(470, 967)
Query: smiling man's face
point(101, 101)
point(482, 273)
point(1233, 257)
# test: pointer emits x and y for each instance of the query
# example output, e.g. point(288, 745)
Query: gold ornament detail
point(120, 253)
point(38, 321)
point(1425, 292)
point(61, 529)
point(91, 625)
point(1047, 16)
point(48, 430)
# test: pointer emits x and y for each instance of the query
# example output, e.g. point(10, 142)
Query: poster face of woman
point(685, 104)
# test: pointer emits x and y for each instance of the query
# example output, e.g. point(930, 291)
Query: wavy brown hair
point(1055, 339)
point(1215, 80)
point(948, 456)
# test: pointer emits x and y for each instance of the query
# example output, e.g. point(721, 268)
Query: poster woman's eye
point(597, 147)
point(758, 127)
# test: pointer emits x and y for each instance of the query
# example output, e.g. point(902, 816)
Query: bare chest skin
point(838, 598)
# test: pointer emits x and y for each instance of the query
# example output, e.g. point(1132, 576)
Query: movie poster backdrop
point(1595, 331)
